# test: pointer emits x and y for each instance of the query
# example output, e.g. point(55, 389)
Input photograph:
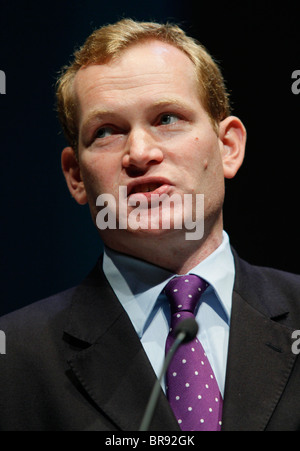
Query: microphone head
point(189, 327)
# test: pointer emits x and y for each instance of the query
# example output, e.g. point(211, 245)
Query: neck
point(170, 251)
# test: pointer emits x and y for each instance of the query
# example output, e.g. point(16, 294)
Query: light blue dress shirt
point(138, 285)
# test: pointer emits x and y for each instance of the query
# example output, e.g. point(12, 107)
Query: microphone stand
point(156, 388)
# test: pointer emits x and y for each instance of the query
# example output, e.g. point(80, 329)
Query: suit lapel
point(113, 368)
point(259, 357)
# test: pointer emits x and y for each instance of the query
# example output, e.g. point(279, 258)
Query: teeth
point(146, 188)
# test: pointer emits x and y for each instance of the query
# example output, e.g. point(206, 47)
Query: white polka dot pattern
point(192, 390)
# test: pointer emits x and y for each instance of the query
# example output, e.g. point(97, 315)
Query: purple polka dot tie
point(191, 387)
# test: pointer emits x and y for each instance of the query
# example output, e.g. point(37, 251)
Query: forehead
point(144, 69)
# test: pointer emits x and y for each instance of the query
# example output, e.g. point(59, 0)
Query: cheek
point(203, 167)
point(200, 155)
point(98, 179)
point(98, 175)
point(208, 151)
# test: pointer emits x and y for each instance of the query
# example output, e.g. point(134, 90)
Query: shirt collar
point(218, 270)
point(138, 284)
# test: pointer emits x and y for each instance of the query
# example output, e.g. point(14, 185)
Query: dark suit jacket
point(74, 361)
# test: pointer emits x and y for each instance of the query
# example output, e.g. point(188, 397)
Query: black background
point(48, 242)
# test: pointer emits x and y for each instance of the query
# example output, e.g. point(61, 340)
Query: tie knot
point(184, 292)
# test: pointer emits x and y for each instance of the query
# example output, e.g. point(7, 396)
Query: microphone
point(185, 332)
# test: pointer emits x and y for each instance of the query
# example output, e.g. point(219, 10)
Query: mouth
point(142, 189)
point(145, 188)
point(148, 187)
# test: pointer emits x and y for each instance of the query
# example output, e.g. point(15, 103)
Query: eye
point(168, 119)
point(104, 132)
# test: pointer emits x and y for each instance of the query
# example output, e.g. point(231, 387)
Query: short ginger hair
point(107, 42)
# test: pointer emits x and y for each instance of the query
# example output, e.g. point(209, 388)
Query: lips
point(146, 186)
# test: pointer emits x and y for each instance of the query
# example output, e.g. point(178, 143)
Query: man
point(144, 107)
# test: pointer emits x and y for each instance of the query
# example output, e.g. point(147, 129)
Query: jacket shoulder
point(36, 324)
point(269, 277)
point(39, 310)
point(272, 290)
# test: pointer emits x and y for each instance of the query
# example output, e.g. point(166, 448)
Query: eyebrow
point(172, 101)
point(95, 114)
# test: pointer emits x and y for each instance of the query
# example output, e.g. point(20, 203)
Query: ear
point(232, 134)
point(72, 173)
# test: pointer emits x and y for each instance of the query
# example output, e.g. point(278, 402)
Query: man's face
point(142, 125)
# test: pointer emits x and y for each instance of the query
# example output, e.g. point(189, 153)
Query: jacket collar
point(256, 285)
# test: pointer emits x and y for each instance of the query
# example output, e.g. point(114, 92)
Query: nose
point(142, 151)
